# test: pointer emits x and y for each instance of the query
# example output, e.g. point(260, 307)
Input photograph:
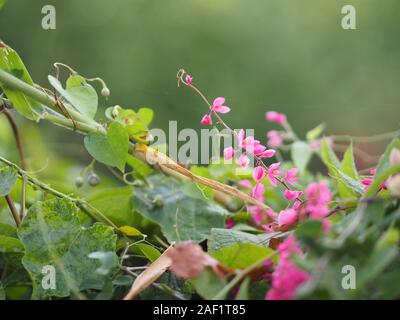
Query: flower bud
point(105, 92)
point(393, 185)
point(79, 181)
point(394, 157)
point(93, 180)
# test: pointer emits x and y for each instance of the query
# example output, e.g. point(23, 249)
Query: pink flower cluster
point(318, 198)
point(287, 277)
point(250, 146)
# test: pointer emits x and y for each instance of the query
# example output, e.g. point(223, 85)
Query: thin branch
point(17, 137)
point(13, 210)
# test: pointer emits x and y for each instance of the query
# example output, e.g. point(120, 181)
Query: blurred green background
point(291, 56)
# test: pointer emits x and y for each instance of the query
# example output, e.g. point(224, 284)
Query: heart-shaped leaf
point(111, 149)
point(81, 95)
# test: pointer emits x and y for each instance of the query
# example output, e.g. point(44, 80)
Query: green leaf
point(8, 177)
point(301, 154)
point(348, 165)
point(145, 115)
point(243, 293)
point(8, 230)
point(12, 63)
point(10, 245)
point(384, 162)
point(376, 264)
point(347, 186)
point(115, 204)
point(221, 238)
point(310, 229)
point(52, 236)
point(81, 95)
point(130, 231)
point(328, 155)
point(384, 169)
point(241, 255)
point(112, 150)
point(2, 2)
point(149, 251)
point(208, 284)
point(140, 167)
point(316, 132)
point(122, 281)
point(108, 260)
point(180, 216)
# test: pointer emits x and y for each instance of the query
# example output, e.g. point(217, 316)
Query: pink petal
point(258, 173)
point(206, 120)
point(269, 153)
point(220, 109)
point(243, 161)
point(229, 153)
point(188, 80)
point(219, 101)
point(287, 217)
point(292, 194)
point(245, 183)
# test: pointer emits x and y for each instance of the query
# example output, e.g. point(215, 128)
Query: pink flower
point(257, 214)
point(243, 161)
point(268, 228)
point(368, 181)
point(394, 157)
point(188, 80)
point(258, 173)
point(229, 223)
point(269, 153)
point(287, 277)
point(290, 176)
point(292, 194)
point(273, 116)
point(318, 192)
point(250, 145)
point(318, 195)
point(273, 172)
point(296, 205)
point(229, 153)
point(287, 217)
point(218, 106)
point(258, 191)
point(207, 120)
point(271, 214)
point(245, 183)
point(275, 139)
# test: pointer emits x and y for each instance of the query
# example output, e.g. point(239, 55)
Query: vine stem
point(170, 167)
point(84, 205)
point(17, 137)
point(13, 210)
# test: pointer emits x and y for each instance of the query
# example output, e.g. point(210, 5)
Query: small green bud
point(79, 181)
point(105, 92)
point(93, 180)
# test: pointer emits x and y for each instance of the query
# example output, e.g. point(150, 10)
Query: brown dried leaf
point(151, 274)
point(189, 260)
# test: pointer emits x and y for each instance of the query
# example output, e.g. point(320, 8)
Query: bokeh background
point(287, 55)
